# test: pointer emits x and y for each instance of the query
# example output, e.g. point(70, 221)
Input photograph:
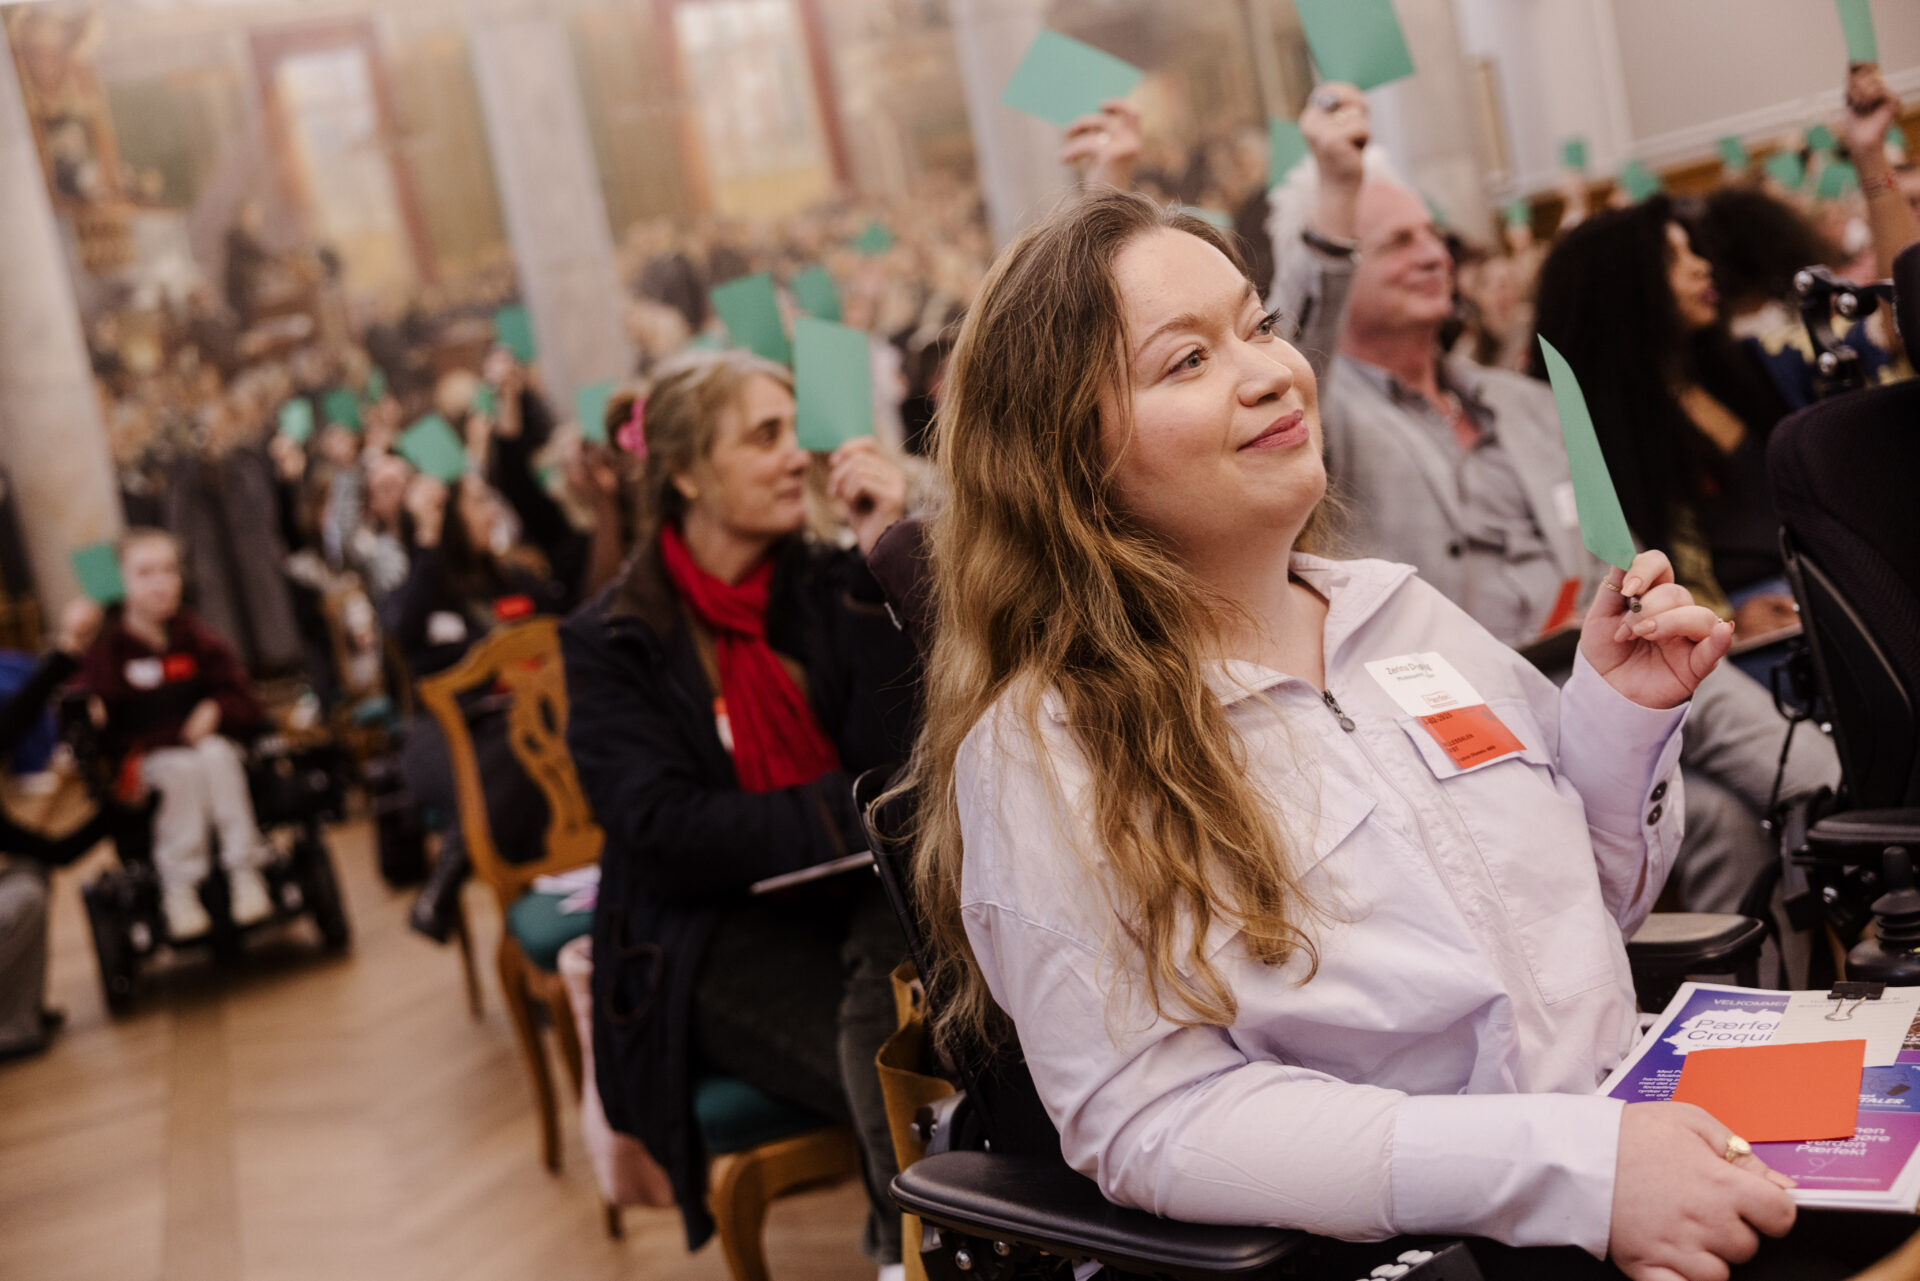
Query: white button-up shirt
point(1437, 1073)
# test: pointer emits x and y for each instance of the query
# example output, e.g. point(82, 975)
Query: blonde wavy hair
point(1041, 581)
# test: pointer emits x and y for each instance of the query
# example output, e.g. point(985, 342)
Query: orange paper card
point(1778, 1093)
point(1563, 606)
point(1471, 736)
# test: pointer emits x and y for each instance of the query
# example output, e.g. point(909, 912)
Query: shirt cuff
point(1524, 1169)
point(1621, 757)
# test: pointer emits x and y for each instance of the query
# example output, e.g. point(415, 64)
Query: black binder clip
point(1842, 993)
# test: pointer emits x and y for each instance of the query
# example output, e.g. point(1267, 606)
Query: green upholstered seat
point(735, 1116)
point(542, 929)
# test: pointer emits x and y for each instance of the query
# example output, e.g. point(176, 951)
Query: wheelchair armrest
point(1862, 834)
point(1693, 941)
point(1044, 1203)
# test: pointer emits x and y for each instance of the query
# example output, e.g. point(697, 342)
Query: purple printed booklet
point(1874, 1170)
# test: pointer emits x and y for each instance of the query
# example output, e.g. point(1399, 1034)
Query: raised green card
point(98, 569)
point(1639, 182)
point(705, 341)
point(296, 420)
point(486, 400)
point(1821, 138)
point(376, 385)
point(1217, 217)
point(434, 448)
point(341, 408)
point(750, 309)
point(513, 329)
point(1573, 154)
point(1518, 212)
point(816, 293)
point(1603, 525)
point(1061, 79)
point(1733, 153)
point(873, 241)
point(1358, 41)
point(1787, 169)
point(1286, 147)
point(832, 384)
point(590, 410)
point(1435, 212)
point(1836, 180)
point(1856, 23)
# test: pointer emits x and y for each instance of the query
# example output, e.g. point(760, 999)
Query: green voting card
point(1435, 212)
point(1837, 180)
point(98, 569)
point(704, 341)
point(590, 410)
point(1856, 22)
point(1217, 217)
point(1518, 212)
point(1733, 153)
point(1286, 147)
point(1821, 138)
point(874, 241)
point(816, 293)
point(1573, 154)
point(296, 420)
point(340, 407)
point(376, 385)
point(513, 329)
point(750, 309)
point(486, 400)
point(1358, 41)
point(1896, 137)
point(832, 384)
point(1603, 526)
point(1639, 182)
point(432, 446)
point(1787, 169)
point(1061, 79)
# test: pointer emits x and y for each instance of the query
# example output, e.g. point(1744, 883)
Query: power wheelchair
point(296, 787)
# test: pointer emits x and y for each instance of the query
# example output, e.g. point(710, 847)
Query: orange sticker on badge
point(1472, 735)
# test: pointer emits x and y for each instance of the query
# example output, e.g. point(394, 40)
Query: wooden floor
point(308, 1117)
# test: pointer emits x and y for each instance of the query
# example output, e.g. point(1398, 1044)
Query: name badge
point(511, 609)
point(145, 673)
point(179, 667)
point(1428, 688)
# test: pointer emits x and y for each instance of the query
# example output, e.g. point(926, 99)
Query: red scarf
point(776, 740)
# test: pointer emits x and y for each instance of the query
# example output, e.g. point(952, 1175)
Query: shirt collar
point(1354, 591)
point(1461, 377)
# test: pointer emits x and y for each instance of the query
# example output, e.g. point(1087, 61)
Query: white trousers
point(200, 787)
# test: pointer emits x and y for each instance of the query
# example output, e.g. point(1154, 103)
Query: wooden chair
point(762, 1148)
point(523, 663)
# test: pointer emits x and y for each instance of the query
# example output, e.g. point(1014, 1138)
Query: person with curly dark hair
point(1682, 409)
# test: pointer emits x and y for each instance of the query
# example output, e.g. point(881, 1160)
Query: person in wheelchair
point(174, 706)
point(723, 693)
point(1303, 895)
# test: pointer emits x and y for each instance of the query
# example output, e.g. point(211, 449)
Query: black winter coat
point(683, 841)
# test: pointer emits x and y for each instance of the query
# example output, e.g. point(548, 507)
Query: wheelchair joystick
point(1893, 954)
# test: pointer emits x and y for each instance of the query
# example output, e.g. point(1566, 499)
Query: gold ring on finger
point(1737, 1147)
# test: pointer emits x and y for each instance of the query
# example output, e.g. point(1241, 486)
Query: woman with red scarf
point(723, 694)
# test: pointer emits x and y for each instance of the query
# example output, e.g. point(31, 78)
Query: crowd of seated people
point(1182, 476)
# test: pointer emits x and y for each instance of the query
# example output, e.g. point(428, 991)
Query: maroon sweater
point(149, 693)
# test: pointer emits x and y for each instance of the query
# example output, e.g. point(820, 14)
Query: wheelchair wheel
point(322, 892)
point(110, 923)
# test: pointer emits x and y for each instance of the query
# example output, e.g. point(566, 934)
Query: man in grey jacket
point(1460, 471)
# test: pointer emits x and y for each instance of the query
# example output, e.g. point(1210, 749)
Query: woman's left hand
point(1658, 656)
point(870, 490)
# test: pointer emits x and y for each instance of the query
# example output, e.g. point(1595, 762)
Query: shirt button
point(1454, 549)
point(1659, 792)
point(1653, 815)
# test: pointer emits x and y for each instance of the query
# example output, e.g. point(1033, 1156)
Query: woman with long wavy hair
point(1304, 896)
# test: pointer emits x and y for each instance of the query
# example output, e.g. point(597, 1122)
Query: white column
point(550, 190)
point(52, 440)
point(1426, 122)
point(1020, 175)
